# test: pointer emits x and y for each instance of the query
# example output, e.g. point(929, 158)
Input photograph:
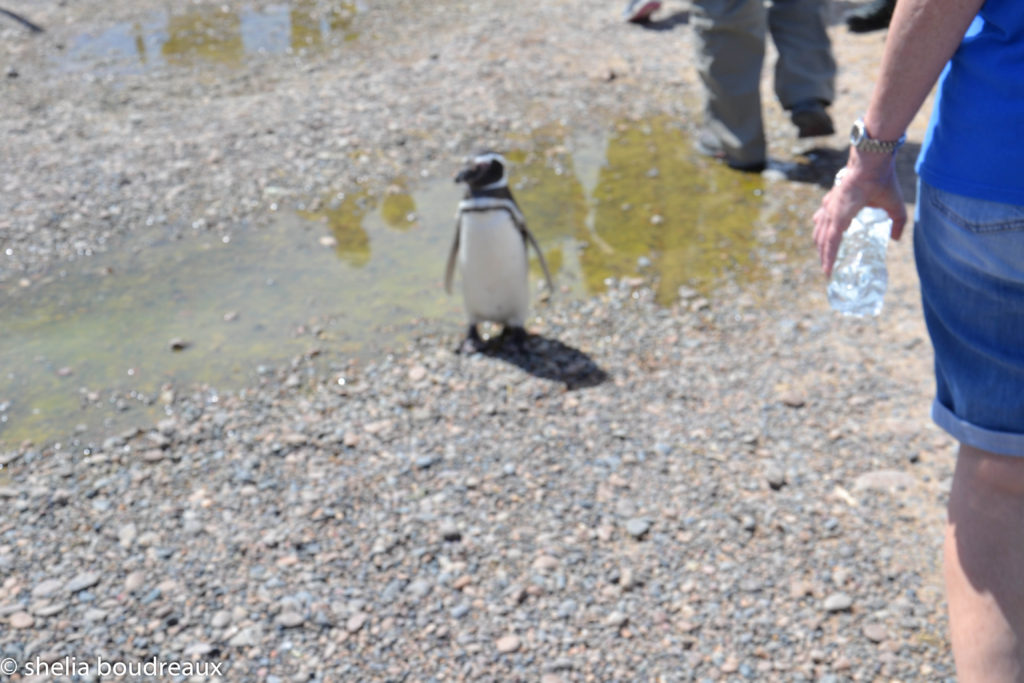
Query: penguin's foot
point(514, 336)
point(473, 343)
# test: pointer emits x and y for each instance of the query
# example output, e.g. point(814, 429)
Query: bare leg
point(984, 566)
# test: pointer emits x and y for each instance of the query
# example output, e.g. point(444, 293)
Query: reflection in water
point(548, 192)
point(652, 201)
point(641, 202)
point(344, 216)
point(398, 208)
point(206, 33)
point(140, 41)
point(552, 200)
point(216, 35)
point(310, 25)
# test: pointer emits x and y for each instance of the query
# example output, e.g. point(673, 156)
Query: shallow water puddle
point(99, 341)
point(96, 344)
point(213, 35)
point(642, 203)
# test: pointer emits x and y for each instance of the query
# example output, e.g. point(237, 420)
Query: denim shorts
point(970, 259)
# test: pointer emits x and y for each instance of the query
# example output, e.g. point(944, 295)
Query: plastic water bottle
point(859, 277)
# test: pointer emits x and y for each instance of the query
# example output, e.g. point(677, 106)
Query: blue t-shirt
point(975, 140)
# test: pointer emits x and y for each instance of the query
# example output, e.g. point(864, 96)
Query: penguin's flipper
point(449, 270)
point(528, 236)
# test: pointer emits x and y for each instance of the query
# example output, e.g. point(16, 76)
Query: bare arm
point(923, 35)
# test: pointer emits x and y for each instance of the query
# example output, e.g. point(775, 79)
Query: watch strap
point(862, 140)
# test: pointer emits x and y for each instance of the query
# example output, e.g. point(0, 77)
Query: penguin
point(490, 248)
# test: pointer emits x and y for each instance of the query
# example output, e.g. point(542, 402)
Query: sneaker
point(707, 145)
point(871, 17)
point(811, 119)
point(640, 11)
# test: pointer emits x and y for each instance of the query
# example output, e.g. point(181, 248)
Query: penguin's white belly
point(493, 262)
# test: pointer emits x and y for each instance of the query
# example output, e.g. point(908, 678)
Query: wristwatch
point(860, 139)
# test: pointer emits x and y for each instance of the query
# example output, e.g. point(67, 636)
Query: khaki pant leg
point(730, 39)
point(806, 69)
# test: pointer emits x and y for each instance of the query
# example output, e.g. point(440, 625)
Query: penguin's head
point(485, 171)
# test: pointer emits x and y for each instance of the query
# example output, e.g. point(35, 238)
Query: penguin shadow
point(820, 165)
point(668, 23)
point(548, 359)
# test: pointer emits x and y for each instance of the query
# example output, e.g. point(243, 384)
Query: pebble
point(793, 399)
point(48, 609)
point(545, 563)
point(126, 535)
point(616, 619)
point(419, 589)
point(884, 480)
point(356, 622)
point(425, 461)
point(637, 527)
point(220, 619)
point(134, 581)
point(508, 644)
point(450, 531)
point(21, 620)
point(94, 614)
point(567, 608)
point(775, 477)
point(837, 602)
point(82, 582)
point(627, 579)
point(246, 637)
point(876, 633)
point(289, 619)
point(45, 589)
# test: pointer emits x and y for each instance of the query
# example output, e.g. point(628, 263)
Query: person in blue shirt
point(969, 251)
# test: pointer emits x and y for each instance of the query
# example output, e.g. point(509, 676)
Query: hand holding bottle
point(869, 180)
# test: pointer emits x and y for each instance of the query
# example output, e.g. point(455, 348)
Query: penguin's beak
point(469, 173)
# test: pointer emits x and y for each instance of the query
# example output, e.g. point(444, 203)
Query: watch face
point(857, 133)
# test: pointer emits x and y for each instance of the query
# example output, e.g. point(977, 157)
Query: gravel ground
point(738, 487)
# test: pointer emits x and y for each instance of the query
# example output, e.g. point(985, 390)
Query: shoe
point(707, 145)
point(871, 17)
point(811, 119)
point(640, 11)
